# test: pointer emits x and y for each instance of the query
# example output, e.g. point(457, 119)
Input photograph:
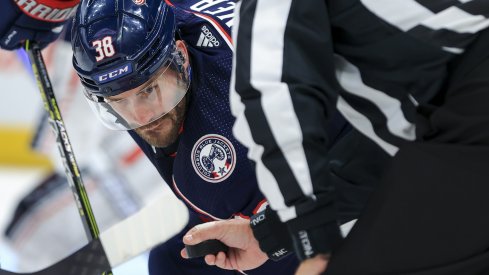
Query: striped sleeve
point(282, 99)
point(449, 24)
point(390, 56)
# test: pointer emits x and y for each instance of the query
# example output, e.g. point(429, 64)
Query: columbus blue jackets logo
point(213, 158)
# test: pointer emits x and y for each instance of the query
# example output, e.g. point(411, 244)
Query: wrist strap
point(272, 235)
point(310, 241)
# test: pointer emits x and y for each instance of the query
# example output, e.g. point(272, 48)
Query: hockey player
point(414, 80)
point(161, 71)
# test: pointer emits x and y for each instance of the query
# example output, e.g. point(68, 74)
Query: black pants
point(430, 213)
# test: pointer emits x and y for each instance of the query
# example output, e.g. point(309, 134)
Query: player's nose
point(143, 113)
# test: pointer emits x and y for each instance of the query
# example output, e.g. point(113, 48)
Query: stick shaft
point(66, 150)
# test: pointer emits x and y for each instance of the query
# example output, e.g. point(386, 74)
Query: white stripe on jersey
point(457, 20)
point(404, 14)
point(453, 50)
point(363, 124)
point(407, 14)
point(261, 47)
point(276, 99)
point(350, 79)
point(242, 132)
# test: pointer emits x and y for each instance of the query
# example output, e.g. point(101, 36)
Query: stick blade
point(154, 224)
point(90, 259)
point(157, 222)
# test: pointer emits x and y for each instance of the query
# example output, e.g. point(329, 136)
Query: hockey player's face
point(164, 131)
point(144, 105)
point(155, 106)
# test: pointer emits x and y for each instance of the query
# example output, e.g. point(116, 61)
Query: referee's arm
point(283, 92)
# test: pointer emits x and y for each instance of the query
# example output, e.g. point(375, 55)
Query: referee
point(412, 76)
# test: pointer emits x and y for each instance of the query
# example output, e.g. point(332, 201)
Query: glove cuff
point(310, 238)
point(272, 235)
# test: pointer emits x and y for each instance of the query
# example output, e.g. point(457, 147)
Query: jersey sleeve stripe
point(350, 79)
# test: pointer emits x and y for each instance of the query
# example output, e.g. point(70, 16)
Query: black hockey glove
point(272, 235)
point(313, 235)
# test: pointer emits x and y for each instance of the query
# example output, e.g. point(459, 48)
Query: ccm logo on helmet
point(42, 11)
point(113, 74)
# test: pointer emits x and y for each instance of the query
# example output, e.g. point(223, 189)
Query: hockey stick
point(71, 167)
point(152, 225)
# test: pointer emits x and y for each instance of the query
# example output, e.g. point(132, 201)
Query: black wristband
point(272, 235)
point(310, 239)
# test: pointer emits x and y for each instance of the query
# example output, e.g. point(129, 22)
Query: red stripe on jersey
point(169, 3)
point(259, 206)
point(241, 215)
point(57, 4)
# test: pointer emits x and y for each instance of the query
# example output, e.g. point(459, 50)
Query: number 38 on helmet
point(125, 54)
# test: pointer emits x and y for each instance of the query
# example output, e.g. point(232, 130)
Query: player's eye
point(147, 91)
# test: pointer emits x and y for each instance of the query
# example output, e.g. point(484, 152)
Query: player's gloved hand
point(272, 235)
point(243, 253)
point(37, 20)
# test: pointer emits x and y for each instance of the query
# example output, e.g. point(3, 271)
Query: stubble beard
point(164, 131)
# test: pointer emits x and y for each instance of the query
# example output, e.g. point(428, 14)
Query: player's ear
point(182, 49)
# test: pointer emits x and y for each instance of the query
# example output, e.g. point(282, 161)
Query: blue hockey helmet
point(125, 54)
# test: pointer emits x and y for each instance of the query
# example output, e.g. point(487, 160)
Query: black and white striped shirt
point(376, 60)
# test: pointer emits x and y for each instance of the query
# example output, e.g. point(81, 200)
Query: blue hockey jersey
point(207, 167)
